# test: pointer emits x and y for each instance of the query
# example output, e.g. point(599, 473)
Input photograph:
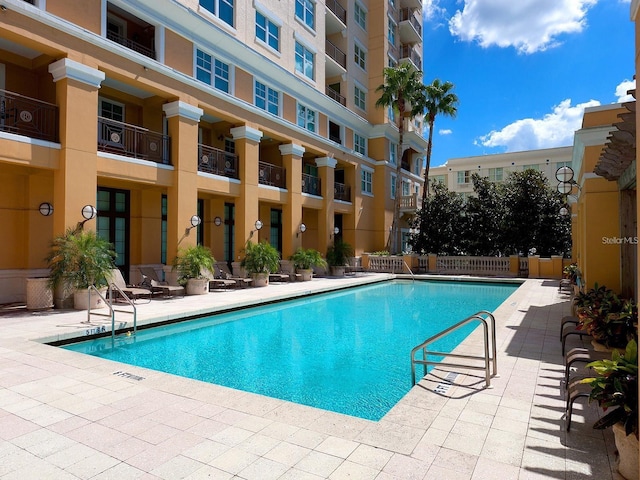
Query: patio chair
point(118, 287)
point(287, 268)
point(150, 279)
point(217, 280)
point(224, 272)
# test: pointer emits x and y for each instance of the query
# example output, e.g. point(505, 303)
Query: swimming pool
point(346, 351)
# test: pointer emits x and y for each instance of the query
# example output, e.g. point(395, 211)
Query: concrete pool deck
point(64, 415)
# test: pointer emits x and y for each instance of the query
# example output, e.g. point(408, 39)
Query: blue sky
point(524, 70)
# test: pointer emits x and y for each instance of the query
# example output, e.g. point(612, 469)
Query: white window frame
point(366, 181)
point(494, 173)
point(360, 14)
point(271, 19)
point(357, 146)
point(360, 55)
point(356, 98)
point(394, 178)
point(301, 107)
point(305, 18)
point(212, 72)
point(393, 153)
point(306, 49)
point(465, 176)
point(268, 95)
point(406, 188)
point(216, 11)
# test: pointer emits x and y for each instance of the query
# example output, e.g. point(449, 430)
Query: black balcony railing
point(28, 116)
point(216, 161)
point(341, 192)
point(407, 51)
point(271, 175)
point(132, 45)
point(407, 14)
point(337, 9)
point(334, 52)
point(311, 184)
point(331, 93)
point(133, 141)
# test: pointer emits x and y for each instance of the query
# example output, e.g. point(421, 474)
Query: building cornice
point(67, 68)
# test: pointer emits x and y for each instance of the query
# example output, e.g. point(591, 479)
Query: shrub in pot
point(259, 261)
point(191, 264)
point(616, 391)
point(338, 255)
point(77, 260)
point(304, 259)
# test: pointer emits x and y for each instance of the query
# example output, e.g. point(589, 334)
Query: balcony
point(410, 55)
point(311, 184)
point(130, 31)
point(28, 116)
point(336, 17)
point(131, 45)
point(331, 93)
point(341, 192)
point(337, 60)
point(132, 141)
point(410, 27)
point(216, 161)
point(409, 203)
point(271, 175)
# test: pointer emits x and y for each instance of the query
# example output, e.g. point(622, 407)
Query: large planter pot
point(197, 286)
point(260, 279)
point(81, 299)
point(307, 274)
point(39, 294)
point(337, 271)
point(627, 446)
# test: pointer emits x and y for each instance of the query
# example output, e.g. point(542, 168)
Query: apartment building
point(456, 172)
point(242, 113)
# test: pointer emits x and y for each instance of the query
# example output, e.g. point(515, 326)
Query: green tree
point(437, 98)
point(402, 90)
point(483, 212)
point(441, 223)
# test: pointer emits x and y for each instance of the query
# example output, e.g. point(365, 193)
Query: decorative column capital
point(182, 109)
point(67, 68)
point(292, 149)
point(326, 162)
point(246, 132)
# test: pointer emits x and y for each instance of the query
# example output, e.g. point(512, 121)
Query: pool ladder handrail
point(413, 277)
point(478, 316)
point(128, 300)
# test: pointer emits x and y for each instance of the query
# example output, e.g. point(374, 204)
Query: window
point(495, 174)
point(304, 61)
point(267, 31)
point(393, 153)
point(267, 98)
point(366, 181)
point(359, 144)
point(391, 33)
point(438, 179)
point(306, 12)
point(359, 98)
point(531, 167)
point(212, 71)
point(306, 118)
point(392, 114)
point(393, 186)
point(335, 132)
point(464, 176)
point(223, 9)
point(360, 16)
point(406, 189)
point(360, 56)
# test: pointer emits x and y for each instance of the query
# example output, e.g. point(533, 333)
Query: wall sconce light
point(564, 175)
point(217, 221)
point(89, 212)
point(195, 221)
point(301, 229)
point(258, 226)
point(336, 231)
point(3, 8)
point(564, 212)
point(45, 209)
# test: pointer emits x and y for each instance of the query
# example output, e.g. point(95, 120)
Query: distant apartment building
point(456, 173)
point(236, 111)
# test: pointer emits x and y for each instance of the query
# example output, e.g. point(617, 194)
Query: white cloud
point(555, 129)
point(432, 8)
point(445, 131)
point(527, 25)
point(623, 88)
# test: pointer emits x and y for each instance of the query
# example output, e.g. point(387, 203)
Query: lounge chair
point(222, 269)
point(216, 280)
point(354, 266)
point(150, 279)
point(287, 268)
point(118, 287)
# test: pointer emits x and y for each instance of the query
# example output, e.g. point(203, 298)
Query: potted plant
point(191, 265)
point(259, 261)
point(304, 259)
point(77, 260)
point(616, 391)
point(337, 257)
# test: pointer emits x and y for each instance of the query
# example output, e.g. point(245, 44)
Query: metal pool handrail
point(475, 317)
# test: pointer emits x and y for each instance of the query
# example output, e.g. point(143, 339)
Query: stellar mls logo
point(620, 240)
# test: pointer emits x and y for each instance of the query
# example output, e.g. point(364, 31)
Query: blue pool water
point(348, 352)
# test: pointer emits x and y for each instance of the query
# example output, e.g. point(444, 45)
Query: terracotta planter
point(627, 446)
point(307, 274)
point(197, 286)
point(260, 279)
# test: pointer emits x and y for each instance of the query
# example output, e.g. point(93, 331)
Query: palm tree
point(401, 90)
point(437, 98)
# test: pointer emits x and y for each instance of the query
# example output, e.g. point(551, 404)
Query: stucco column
point(292, 210)
point(326, 171)
point(247, 142)
point(182, 195)
point(75, 182)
